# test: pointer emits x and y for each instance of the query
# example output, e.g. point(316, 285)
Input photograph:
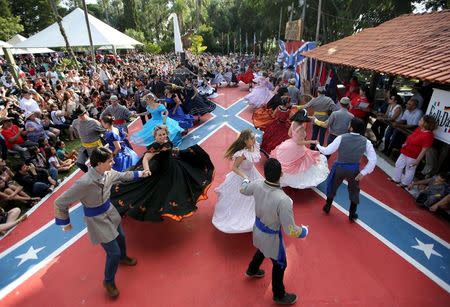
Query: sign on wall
point(439, 108)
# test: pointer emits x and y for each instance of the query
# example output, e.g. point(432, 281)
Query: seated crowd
point(38, 116)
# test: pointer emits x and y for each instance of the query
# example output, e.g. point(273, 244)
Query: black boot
point(352, 212)
point(327, 206)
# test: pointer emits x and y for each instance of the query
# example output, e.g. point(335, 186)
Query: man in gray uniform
point(273, 210)
point(338, 122)
point(322, 106)
point(351, 147)
point(294, 92)
point(89, 131)
point(102, 219)
point(120, 113)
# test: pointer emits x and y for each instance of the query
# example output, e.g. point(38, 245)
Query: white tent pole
point(89, 32)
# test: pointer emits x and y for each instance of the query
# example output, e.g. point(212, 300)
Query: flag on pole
point(228, 43)
point(254, 43)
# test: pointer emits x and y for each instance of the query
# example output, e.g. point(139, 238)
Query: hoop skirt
point(126, 157)
point(261, 93)
point(235, 212)
point(175, 186)
point(302, 167)
point(144, 137)
point(277, 132)
point(185, 121)
point(197, 104)
point(246, 77)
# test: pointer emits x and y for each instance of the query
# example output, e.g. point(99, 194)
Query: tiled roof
point(414, 46)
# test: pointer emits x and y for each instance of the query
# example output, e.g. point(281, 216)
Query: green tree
point(197, 44)
point(35, 15)
point(5, 11)
point(129, 14)
point(152, 48)
point(137, 35)
point(9, 26)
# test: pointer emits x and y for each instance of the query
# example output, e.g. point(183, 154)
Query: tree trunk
point(63, 33)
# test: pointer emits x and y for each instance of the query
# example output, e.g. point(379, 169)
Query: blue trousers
point(115, 251)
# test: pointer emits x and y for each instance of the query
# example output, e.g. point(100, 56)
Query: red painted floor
point(192, 264)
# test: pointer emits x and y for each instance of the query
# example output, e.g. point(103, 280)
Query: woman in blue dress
point(124, 155)
point(176, 111)
point(159, 113)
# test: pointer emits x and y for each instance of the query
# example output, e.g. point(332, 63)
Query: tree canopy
point(223, 24)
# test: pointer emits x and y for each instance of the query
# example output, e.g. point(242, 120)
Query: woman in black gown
point(178, 180)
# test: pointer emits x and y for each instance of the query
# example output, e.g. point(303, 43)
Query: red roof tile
point(414, 46)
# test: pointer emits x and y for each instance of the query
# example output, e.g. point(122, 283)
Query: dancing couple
point(166, 182)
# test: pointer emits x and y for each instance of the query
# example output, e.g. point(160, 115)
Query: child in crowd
point(432, 190)
point(55, 162)
point(62, 154)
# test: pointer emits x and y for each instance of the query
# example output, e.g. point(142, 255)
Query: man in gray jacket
point(273, 210)
point(93, 190)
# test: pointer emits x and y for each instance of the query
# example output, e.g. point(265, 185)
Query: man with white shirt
point(350, 147)
point(27, 103)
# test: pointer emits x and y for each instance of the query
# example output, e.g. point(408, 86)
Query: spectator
point(432, 189)
point(35, 129)
point(294, 92)
point(27, 103)
point(60, 122)
point(417, 96)
point(55, 162)
point(10, 219)
point(15, 193)
point(393, 112)
point(413, 150)
point(61, 152)
point(13, 136)
point(35, 181)
point(409, 120)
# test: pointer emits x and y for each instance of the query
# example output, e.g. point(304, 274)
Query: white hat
point(113, 97)
point(345, 101)
point(27, 114)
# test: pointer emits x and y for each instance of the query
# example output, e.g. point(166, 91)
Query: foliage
point(9, 26)
point(197, 44)
point(66, 63)
point(35, 15)
point(152, 48)
point(137, 35)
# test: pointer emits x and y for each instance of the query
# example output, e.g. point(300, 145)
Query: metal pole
point(279, 26)
point(319, 10)
point(304, 10)
point(292, 11)
point(89, 32)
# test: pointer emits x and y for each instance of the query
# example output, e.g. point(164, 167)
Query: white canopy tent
point(16, 39)
point(76, 30)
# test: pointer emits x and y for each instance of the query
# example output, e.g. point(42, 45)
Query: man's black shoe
point(353, 217)
point(326, 208)
point(287, 299)
point(260, 273)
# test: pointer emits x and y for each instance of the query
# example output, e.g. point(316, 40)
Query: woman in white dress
point(235, 212)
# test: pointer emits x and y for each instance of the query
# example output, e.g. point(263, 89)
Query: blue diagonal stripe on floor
point(402, 234)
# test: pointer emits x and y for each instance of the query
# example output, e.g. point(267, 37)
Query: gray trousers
point(340, 175)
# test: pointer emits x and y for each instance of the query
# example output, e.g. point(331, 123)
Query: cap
point(113, 97)
point(345, 101)
point(292, 81)
point(321, 89)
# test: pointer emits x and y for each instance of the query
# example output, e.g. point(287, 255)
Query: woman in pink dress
point(261, 93)
point(302, 167)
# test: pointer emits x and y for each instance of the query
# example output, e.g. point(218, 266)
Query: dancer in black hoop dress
point(178, 180)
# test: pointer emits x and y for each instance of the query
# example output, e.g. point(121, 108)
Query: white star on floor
point(30, 254)
point(427, 249)
point(195, 137)
point(225, 115)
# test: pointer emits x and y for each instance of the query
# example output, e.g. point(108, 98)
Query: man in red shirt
point(13, 136)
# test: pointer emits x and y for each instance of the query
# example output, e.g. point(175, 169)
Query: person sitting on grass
point(62, 153)
point(10, 219)
point(12, 192)
point(55, 162)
